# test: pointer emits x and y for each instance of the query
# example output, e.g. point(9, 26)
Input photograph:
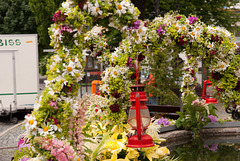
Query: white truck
point(19, 82)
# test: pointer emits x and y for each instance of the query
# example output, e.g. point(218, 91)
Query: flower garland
point(214, 45)
point(57, 116)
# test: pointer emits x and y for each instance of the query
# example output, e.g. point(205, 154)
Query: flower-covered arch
point(56, 126)
point(197, 41)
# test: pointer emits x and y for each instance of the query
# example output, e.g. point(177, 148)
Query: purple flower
point(212, 118)
point(24, 159)
point(24, 145)
point(214, 147)
point(137, 24)
point(192, 19)
point(130, 63)
point(163, 121)
point(160, 30)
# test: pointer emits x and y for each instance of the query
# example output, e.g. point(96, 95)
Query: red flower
point(114, 108)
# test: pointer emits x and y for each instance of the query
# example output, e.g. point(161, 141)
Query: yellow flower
point(151, 152)
point(158, 141)
point(132, 154)
point(114, 158)
point(163, 151)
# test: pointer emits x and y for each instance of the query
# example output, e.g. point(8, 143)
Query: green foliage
point(24, 153)
point(16, 17)
point(211, 12)
point(43, 11)
point(195, 114)
point(113, 37)
point(166, 67)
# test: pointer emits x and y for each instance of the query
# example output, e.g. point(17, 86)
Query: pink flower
point(54, 152)
point(54, 104)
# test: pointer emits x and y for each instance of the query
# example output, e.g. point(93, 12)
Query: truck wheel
point(235, 115)
point(14, 120)
point(228, 110)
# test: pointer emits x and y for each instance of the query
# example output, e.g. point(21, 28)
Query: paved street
point(9, 134)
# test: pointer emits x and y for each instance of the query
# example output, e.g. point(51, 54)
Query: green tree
point(44, 11)
point(211, 12)
point(16, 17)
point(4, 5)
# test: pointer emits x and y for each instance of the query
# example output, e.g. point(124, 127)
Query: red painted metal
point(138, 99)
point(209, 99)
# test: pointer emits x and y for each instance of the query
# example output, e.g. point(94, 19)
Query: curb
point(6, 131)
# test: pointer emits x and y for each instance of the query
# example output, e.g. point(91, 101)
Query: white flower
point(56, 58)
point(237, 72)
point(121, 9)
point(114, 55)
point(95, 10)
point(105, 88)
point(46, 130)
point(31, 123)
point(210, 45)
point(70, 68)
point(55, 128)
point(88, 6)
point(114, 73)
point(221, 66)
point(211, 29)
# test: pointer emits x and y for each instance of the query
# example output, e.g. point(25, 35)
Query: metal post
point(10, 113)
point(14, 81)
point(138, 115)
